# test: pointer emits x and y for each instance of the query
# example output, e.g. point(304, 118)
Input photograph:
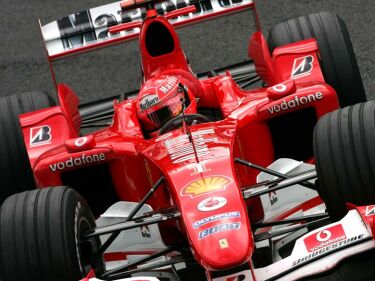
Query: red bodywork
point(295, 83)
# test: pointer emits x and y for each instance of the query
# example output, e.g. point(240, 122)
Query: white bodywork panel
point(283, 200)
point(303, 263)
point(137, 239)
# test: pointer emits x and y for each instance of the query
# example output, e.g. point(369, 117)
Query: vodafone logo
point(324, 238)
point(211, 204)
point(80, 141)
point(296, 102)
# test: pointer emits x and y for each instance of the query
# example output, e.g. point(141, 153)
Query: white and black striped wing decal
point(88, 29)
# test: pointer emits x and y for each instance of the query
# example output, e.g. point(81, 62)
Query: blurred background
point(108, 72)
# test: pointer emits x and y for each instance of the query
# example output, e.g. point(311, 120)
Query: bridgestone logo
point(302, 66)
point(327, 249)
point(77, 161)
point(296, 102)
point(40, 135)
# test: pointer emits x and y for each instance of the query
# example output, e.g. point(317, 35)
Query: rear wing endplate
point(89, 30)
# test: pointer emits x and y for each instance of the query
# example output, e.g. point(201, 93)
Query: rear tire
point(40, 232)
point(338, 61)
point(344, 150)
point(15, 171)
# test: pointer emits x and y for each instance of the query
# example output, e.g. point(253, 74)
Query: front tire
point(40, 234)
point(338, 61)
point(344, 150)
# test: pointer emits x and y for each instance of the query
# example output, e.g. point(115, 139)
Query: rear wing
point(89, 30)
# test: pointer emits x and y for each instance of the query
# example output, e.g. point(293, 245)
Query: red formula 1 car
point(196, 177)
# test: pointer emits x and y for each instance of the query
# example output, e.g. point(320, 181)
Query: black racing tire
point(15, 171)
point(338, 61)
point(344, 151)
point(39, 236)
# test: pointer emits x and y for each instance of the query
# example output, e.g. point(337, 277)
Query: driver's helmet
point(161, 99)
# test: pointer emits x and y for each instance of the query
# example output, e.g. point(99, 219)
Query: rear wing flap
point(89, 30)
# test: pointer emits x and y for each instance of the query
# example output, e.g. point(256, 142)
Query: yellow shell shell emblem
point(205, 185)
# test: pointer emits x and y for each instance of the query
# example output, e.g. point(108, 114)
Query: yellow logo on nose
point(205, 185)
point(223, 243)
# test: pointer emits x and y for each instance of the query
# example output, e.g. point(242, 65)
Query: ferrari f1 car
point(197, 176)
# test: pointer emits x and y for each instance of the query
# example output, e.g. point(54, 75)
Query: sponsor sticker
point(77, 161)
point(181, 149)
point(199, 168)
point(324, 238)
point(148, 101)
point(223, 243)
point(40, 135)
point(164, 137)
point(302, 66)
point(280, 88)
point(296, 102)
point(205, 185)
point(145, 231)
point(169, 84)
point(212, 203)
point(370, 211)
point(91, 26)
point(207, 220)
point(219, 228)
point(80, 141)
point(273, 197)
point(329, 248)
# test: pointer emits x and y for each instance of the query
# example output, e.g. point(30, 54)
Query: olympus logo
point(296, 102)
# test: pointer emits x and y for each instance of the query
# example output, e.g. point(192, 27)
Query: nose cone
point(210, 200)
point(217, 223)
point(224, 245)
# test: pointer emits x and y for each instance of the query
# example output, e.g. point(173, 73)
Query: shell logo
point(205, 185)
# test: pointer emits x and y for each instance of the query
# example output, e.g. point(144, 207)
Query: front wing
point(317, 251)
point(314, 253)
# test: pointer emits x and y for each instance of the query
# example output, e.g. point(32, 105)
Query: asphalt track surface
point(217, 43)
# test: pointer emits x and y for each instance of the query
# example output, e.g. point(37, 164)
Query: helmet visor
point(163, 112)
